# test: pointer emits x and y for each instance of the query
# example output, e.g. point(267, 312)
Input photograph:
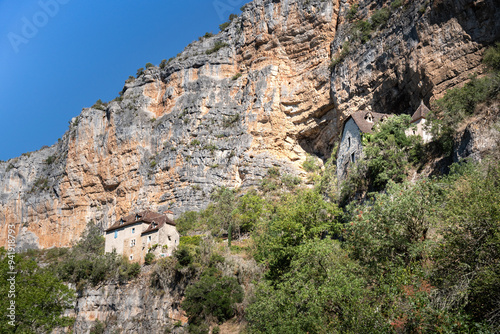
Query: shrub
point(163, 64)
point(195, 142)
point(149, 258)
point(217, 46)
point(362, 30)
point(224, 25)
point(140, 72)
point(148, 65)
point(184, 258)
point(492, 57)
point(50, 160)
point(236, 76)
point(310, 164)
point(230, 120)
point(380, 17)
point(98, 328)
point(396, 4)
point(351, 14)
point(341, 55)
point(99, 105)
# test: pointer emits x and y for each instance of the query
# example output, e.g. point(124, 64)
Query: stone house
point(351, 145)
point(418, 121)
point(135, 235)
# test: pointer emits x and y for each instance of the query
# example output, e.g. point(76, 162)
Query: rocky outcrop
point(423, 49)
point(135, 307)
point(258, 95)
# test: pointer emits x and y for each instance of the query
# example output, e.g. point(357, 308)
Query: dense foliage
point(40, 297)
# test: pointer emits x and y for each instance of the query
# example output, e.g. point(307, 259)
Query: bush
point(163, 64)
point(341, 56)
point(149, 258)
point(236, 76)
point(461, 102)
point(149, 65)
point(396, 4)
point(50, 160)
point(139, 72)
point(98, 328)
point(311, 164)
point(351, 14)
point(362, 30)
point(492, 57)
point(224, 25)
point(217, 46)
point(99, 105)
point(380, 17)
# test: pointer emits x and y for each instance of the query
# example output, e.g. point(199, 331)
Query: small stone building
point(137, 234)
point(418, 121)
point(351, 145)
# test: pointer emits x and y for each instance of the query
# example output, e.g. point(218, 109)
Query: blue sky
point(59, 56)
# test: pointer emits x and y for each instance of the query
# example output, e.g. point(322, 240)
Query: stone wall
point(350, 144)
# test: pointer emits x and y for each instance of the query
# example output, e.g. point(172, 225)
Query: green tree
point(298, 217)
point(391, 229)
point(322, 293)
point(212, 296)
point(40, 297)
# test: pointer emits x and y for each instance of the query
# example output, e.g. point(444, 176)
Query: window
point(116, 234)
point(149, 238)
point(353, 158)
point(132, 243)
point(169, 238)
point(133, 230)
point(349, 142)
point(131, 257)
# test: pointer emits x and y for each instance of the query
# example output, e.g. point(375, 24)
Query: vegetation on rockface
point(224, 25)
point(40, 297)
point(462, 102)
point(217, 46)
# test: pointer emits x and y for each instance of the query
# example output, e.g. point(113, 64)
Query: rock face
point(135, 307)
point(257, 95)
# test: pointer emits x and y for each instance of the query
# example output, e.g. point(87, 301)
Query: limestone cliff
point(257, 95)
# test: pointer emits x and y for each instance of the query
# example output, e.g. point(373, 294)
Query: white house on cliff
point(137, 234)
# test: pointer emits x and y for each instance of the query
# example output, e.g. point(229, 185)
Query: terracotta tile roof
point(421, 112)
point(158, 223)
point(145, 217)
point(361, 118)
